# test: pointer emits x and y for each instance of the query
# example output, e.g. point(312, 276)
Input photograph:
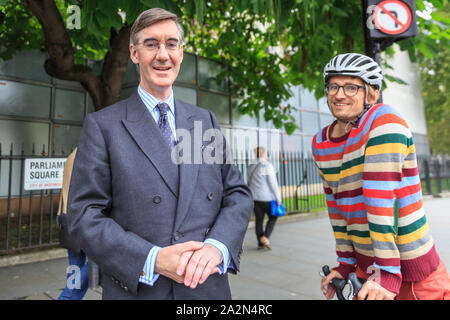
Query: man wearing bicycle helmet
point(367, 162)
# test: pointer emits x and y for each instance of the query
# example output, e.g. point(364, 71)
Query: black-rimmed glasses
point(350, 89)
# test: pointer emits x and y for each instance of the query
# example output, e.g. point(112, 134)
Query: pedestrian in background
point(77, 272)
point(263, 184)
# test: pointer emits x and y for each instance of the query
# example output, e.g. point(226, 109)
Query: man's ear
point(373, 98)
point(133, 54)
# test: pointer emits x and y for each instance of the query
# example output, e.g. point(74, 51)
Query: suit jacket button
point(156, 199)
point(210, 196)
point(177, 236)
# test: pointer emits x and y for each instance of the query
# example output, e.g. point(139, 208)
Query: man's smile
point(162, 68)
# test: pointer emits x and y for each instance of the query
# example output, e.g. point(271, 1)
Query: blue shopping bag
point(277, 211)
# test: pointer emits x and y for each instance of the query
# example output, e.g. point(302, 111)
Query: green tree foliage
point(267, 45)
point(435, 77)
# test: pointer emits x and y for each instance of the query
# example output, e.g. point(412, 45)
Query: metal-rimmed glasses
point(152, 45)
point(350, 89)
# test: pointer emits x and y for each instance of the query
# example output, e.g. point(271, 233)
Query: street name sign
point(44, 173)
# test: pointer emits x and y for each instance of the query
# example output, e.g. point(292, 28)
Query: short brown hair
point(152, 16)
point(259, 151)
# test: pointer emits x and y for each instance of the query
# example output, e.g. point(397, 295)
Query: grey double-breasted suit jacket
point(127, 195)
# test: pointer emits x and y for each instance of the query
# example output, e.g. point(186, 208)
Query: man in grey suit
point(157, 228)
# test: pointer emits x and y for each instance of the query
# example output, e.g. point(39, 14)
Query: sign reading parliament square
point(43, 173)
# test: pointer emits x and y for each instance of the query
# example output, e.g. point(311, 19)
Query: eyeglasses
point(154, 45)
point(350, 90)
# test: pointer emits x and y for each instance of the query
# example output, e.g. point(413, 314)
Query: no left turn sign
point(392, 17)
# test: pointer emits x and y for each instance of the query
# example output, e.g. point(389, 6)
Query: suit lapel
point(145, 132)
point(188, 173)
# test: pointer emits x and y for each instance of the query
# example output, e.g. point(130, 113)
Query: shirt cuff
point(148, 275)
point(223, 267)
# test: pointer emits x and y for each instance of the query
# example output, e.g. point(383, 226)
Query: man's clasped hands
point(190, 262)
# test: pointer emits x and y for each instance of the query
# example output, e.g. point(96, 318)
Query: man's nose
point(162, 53)
point(340, 93)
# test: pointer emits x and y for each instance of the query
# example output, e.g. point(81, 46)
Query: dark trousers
point(261, 208)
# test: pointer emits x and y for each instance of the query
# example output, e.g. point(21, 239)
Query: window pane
point(227, 134)
point(69, 105)
point(187, 70)
point(244, 140)
point(307, 100)
point(24, 100)
point(294, 100)
point(216, 103)
point(307, 144)
point(323, 105)
point(74, 84)
point(18, 132)
point(26, 65)
point(310, 122)
point(292, 142)
point(186, 94)
point(4, 178)
point(271, 140)
point(65, 138)
point(325, 119)
point(208, 71)
point(242, 119)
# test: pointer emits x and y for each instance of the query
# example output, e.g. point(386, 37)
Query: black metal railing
point(27, 218)
point(434, 174)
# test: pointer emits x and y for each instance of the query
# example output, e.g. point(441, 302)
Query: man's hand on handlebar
point(374, 291)
point(325, 284)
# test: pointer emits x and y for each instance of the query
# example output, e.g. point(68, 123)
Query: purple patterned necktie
point(163, 124)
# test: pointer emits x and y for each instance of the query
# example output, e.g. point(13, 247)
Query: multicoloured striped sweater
point(374, 199)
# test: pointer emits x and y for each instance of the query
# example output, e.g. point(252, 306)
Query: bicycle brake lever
point(338, 284)
point(355, 285)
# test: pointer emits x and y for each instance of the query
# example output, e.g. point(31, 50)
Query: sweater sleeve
point(389, 143)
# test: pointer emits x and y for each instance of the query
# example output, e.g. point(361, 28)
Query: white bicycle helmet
point(355, 65)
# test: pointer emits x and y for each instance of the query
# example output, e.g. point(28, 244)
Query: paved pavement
point(300, 246)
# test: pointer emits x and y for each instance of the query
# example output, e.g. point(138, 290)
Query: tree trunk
point(104, 89)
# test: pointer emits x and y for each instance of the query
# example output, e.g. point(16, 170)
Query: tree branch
point(57, 40)
point(61, 62)
point(115, 65)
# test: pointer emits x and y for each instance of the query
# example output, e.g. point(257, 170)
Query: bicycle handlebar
point(339, 284)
